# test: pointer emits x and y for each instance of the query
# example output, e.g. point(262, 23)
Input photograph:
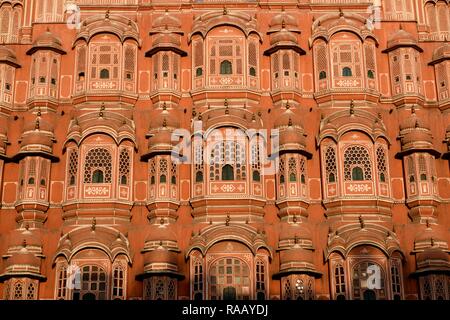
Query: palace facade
point(175, 149)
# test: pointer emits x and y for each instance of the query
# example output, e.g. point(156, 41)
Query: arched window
point(357, 165)
point(339, 278)
point(282, 179)
point(252, 71)
point(118, 283)
point(162, 171)
point(124, 166)
point(256, 176)
point(411, 169)
point(370, 74)
point(422, 168)
point(292, 177)
point(31, 291)
point(346, 72)
point(287, 290)
point(395, 281)
point(260, 280)
point(97, 176)
point(227, 172)
point(99, 163)
point(226, 67)
point(61, 290)
point(199, 176)
point(104, 74)
point(18, 291)
point(322, 75)
point(198, 72)
point(228, 278)
point(357, 174)
point(227, 161)
point(152, 171)
point(93, 284)
point(330, 164)
point(198, 280)
point(292, 170)
point(331, 178)
point(381, 164)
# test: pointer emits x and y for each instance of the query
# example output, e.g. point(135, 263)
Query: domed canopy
point(414, 122)
point(116, 24)
point(165, 119)
point(283, 33)
point(415, 135)
point(47, 41)
point(37, 138)
point(8, 56)
point(166, 22)
point(432, 260)
point(435, 254)
point(297, 260)
point(160, 252)
point(166, 32)
point(402, 38)
point(296, 232)
point(23, 259)
point(292, 135)
point(166, 41)
point(441, 53)
point(283, 20)
point(160, 135)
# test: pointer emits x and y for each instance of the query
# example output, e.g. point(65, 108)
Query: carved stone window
point(98, 166)
point(357, 164)
point(330, 164)
point(124, 167)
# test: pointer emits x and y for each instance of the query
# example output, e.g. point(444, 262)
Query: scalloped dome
point(30, 238)
point(432, 254)
point(287, 119)
point(296, 255)
point(47, 41)
point(167, 20)
point(413, 122)
point(402, 38)
point(165, 119)
point(441, 53)
point(167, 39)
point(283, 36)
point(22, 259)
point(161, 233)
point(417, 136)
point(297, 230)
point(43, 125)
point(8, 55)
point(160, 255)
point(292, 136)
point(283, 20)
